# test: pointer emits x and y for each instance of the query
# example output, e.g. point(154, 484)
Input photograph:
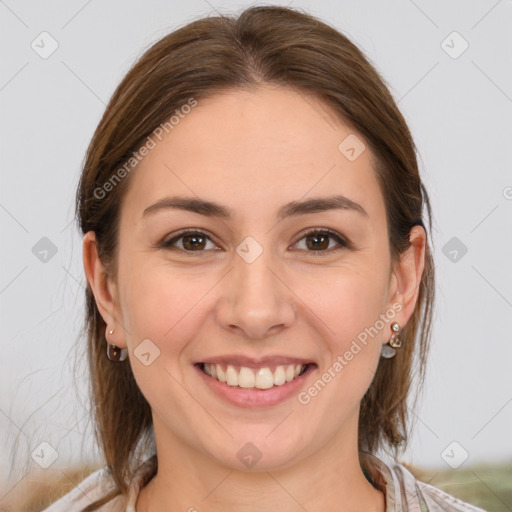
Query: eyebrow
point(295, 208)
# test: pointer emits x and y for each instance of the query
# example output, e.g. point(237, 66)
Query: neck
point(330, 479)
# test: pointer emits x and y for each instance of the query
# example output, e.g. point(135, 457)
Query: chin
point(259, 450)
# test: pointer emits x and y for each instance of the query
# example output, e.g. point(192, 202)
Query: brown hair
point(263, 45)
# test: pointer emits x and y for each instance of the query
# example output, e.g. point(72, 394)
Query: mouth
point(254, 377)
point(254, 382)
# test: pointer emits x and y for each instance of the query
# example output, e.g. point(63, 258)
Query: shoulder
point(430, 498)
point(406, 493)
point(97, 485)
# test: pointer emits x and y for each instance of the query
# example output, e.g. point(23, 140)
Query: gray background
point(459, 110)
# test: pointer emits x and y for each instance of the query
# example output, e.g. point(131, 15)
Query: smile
point(253, 378)
point(253, 382)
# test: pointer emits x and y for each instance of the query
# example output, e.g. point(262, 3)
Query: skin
point(253, 152)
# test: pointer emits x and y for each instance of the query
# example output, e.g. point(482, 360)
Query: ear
point(407, 275)
point(104, 290)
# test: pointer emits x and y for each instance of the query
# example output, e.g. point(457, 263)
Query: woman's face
point(253, 290)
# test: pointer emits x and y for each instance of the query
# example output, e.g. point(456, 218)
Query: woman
point(259, 277)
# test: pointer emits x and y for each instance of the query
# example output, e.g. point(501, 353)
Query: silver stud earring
point(389, 349)
point(114, 353)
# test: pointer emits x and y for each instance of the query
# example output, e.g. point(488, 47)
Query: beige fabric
point(404, 493)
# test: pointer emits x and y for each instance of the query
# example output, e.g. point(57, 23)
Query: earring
point(389, 349)
point(114, 353)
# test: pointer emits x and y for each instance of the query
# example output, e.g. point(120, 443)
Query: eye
point(318, 240)
point(191, 241)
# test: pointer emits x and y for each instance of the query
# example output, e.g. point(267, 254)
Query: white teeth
point(264, 378)
point(279, 376)
point(231, 376)
point(220, 372)
point(248, 378)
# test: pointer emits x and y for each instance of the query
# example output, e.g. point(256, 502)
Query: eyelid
point(343, 242)
point(167, 243)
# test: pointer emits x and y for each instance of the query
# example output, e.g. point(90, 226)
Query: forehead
point(254, 151)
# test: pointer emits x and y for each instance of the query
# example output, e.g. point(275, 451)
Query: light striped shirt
point(403, 492)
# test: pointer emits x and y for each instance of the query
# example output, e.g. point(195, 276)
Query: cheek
point(164, 305)
point(350, 306)
point(352, 354)
point(348, 303)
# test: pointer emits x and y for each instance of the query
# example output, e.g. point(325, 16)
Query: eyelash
point(342, 242)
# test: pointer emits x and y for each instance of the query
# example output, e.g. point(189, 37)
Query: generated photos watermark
point(158, 133)
point(343, 360)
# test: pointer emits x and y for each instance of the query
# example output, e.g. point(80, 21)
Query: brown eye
point(191, 241)
point(320, 241)
point(317, 241)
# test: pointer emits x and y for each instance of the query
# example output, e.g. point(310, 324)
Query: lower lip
point(253, 397)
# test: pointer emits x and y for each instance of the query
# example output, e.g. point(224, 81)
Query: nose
point(256, 302)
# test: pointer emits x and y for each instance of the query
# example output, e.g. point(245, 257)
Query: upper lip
point(255, 362)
